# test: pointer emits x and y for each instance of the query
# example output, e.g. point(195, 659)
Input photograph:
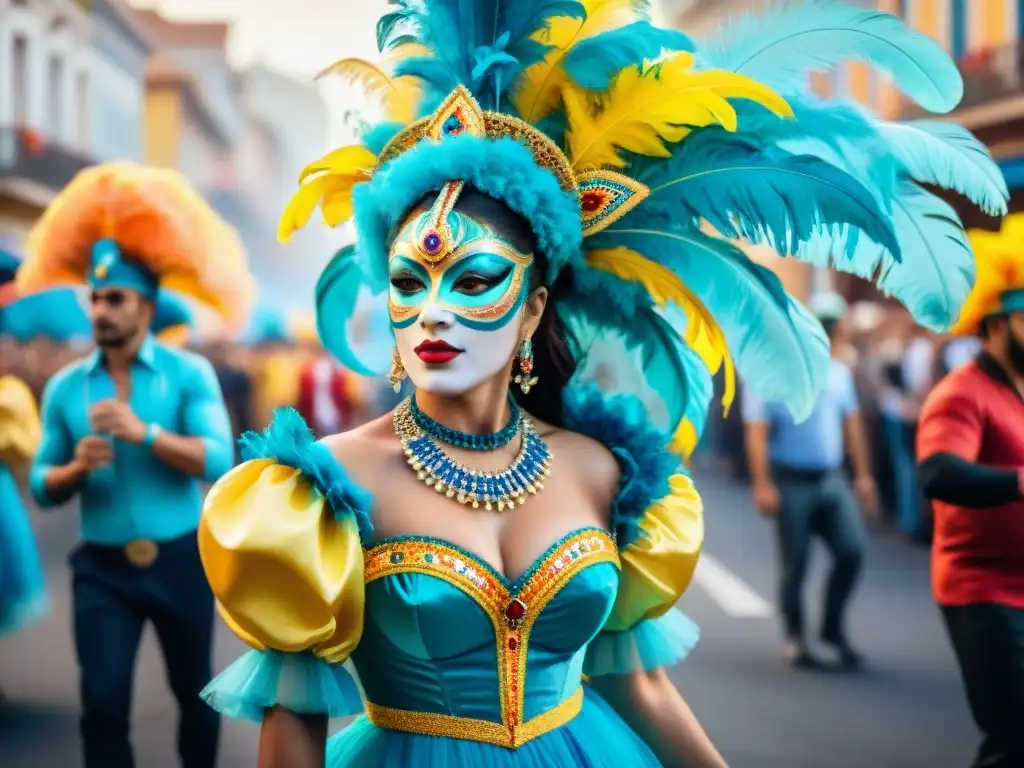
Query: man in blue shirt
point(132, 430)
point(797, 475)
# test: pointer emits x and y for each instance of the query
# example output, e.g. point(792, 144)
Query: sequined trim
point(430, 724)
point(512, 608)
point(605, 197)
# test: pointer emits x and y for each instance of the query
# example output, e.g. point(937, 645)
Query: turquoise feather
point(938, 269)
point(948, 156)
point(779, 349)
point(779, 47)
point(593, 63)
point(779, 198)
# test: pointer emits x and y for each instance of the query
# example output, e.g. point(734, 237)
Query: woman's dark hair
point(553, 361)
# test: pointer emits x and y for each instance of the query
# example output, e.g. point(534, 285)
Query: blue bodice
point(445, 634)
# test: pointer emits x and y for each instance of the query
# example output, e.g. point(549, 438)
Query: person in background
point(328, 400)
point(236, 386)
point(970, 446)
point(131, 430)
point(797, 476)
point(23, 595)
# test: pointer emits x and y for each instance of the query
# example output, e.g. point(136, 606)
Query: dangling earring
point(397, 371)
point(525, 381)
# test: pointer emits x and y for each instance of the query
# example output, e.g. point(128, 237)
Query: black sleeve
point(949, 478)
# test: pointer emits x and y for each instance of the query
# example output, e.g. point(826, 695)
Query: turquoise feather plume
point(948, 156)
point(780, 46)
point(780, 350)
point(938, 269)
point(780, 198)
point(594, 62)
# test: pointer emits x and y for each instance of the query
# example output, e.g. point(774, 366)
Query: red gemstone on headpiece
point(432, 243)
point(591, 201)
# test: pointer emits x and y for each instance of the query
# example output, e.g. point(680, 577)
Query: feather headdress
point(621, 142)
point(1000, 284)
point(152, 214)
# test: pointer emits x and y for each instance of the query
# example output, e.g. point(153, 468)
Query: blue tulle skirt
point(23, 596)
point(596, 738)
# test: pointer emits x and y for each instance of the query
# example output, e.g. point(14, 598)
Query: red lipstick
point(437, 352)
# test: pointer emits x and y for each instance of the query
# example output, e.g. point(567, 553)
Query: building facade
point(45, 115)
point(117, 101)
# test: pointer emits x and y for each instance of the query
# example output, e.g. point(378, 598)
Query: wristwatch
point(152, 433)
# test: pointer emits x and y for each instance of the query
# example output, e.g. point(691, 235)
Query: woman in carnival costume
point(521, 523)
point(23, 596)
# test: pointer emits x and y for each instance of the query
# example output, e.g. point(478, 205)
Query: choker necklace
point(445, 474)
point(490, 442)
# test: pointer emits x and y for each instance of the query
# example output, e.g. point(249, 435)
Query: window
point(82, 109)
point(19, 86)
point(55, 97)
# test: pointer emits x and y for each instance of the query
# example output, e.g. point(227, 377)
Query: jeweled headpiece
point(639, 157)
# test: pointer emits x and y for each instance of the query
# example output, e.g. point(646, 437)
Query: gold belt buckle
point(141, 553)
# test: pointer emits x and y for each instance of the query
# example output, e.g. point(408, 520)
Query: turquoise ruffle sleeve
point(652, 643)
point(298, 682)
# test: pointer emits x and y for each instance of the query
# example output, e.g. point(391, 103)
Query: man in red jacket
point(970, 449)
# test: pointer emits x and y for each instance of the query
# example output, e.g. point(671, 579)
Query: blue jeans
point(112, 601)
point(904, 472)
point(819, 503)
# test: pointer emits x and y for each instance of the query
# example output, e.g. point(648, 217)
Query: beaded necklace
point(445, 474)
point(467, 440)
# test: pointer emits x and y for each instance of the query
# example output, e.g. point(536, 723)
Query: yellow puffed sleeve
point(658, 565)
point(20, 430)
point(285, 567)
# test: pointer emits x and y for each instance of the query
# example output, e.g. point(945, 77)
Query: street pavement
point(907, 710)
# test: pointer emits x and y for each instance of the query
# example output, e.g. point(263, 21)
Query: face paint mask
point(456, 297)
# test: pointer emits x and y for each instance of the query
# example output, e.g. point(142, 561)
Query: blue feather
point(524, 18)
point(594, 63)
point(948, 156)
point(783, 198)
point(780, 350)
point(378, 136)
point(780, 46)
point(938, 269)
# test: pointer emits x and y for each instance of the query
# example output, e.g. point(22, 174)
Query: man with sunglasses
point(133, 430)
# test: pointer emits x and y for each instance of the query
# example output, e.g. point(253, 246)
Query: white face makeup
point(456, 299)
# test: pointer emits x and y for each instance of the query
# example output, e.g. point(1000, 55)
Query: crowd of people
point(895, 364)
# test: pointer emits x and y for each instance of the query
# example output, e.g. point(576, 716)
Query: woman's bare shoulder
point(589, 458)
point(365, 445)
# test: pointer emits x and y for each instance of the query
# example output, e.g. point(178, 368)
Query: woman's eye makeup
point(474, 283)
point(407, 283)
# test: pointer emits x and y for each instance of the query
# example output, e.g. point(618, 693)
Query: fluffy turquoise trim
point(288, 440)
point(298, 682)
point(620, 423)
point(653, 643)
point(504, 169)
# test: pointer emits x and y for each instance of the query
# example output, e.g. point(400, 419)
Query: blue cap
point(9, 264)
point(56, 314)
point(1011, 301)
point(171, 311)
point(110, 269)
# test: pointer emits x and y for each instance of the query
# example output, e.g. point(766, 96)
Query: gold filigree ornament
point(604, 196)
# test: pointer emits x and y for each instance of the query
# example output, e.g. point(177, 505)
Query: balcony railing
point(27, 154)
point(990, 75)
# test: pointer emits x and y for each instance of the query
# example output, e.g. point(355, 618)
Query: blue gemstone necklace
point(491, 442)
point(441, 471)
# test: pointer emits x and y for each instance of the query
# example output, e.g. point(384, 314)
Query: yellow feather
point(703, 333)
point(1000, 268)
point(541, 84)
point(398, 96)
point(329, 181)
point(642, 110)
point(684, 440)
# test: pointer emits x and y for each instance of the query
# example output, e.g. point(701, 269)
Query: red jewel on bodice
point(512, 643)
point(515, 611)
